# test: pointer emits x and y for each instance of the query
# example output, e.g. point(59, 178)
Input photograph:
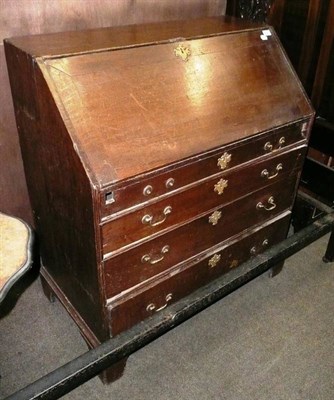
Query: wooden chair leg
point(47, 290)
point(329, 255)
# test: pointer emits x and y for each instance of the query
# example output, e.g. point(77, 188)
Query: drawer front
point(138, 307)
point(126, 195)
point(155, 256)
point(197, 200)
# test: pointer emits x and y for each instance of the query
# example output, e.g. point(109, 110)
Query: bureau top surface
point(131, 110)
point(71, 42)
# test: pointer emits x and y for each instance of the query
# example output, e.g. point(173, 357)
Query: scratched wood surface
point(129, 229)
point(128, 115)
point(200, 167)
point(128, 269)
point(135, 308)
point(24, 17)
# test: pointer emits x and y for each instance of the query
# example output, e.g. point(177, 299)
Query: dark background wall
point(23, 17)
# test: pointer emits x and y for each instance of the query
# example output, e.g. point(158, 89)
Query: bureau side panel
point(60, 192)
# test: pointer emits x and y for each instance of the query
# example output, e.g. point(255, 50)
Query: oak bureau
point(157, 157)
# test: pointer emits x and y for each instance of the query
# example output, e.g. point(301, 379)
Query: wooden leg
point(275, 270)
point(114, 372)
point(329, 255)
point(47, 290)
point(110, 374)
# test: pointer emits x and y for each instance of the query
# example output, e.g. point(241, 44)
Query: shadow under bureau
point(158, 157)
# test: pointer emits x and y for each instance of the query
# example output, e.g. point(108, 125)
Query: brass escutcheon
point(214, 260)
point(220, 186)
point(224, 160)
point(215, 217)
point(182, 52)
point(233, 264)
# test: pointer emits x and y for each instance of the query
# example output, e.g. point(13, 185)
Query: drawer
point(127, 312)
point(143, 189)
point(197, 200)
point(157, 255)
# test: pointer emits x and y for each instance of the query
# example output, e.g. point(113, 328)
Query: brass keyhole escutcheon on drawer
point(214, 260)
point(220, 186)
point(149, 219)
point(155, 260)
point(270, 147)
point(266, 174)
point(182, 52)
point(271, 204)
point(152, 306)
point(224, 160)
point(215, 217)
point(234, 264)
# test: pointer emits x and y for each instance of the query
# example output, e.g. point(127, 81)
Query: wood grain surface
point(119, 115)
point(128, 115)
point(177, 285)
point(24, 17)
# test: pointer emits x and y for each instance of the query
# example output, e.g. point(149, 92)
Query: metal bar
point(315, 203)
point(319, 179)
point(73, 374)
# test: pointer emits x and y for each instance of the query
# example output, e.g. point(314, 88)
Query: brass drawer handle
point(147, 190)
point(269, 147)
point(304, 130)
point(170, 183)
point(220, 186)
point(224, 160)
point(148, 219)
point(148, 259)
point(152, 306)
point(270, 201)
point(264, 244)
point(266, 174)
